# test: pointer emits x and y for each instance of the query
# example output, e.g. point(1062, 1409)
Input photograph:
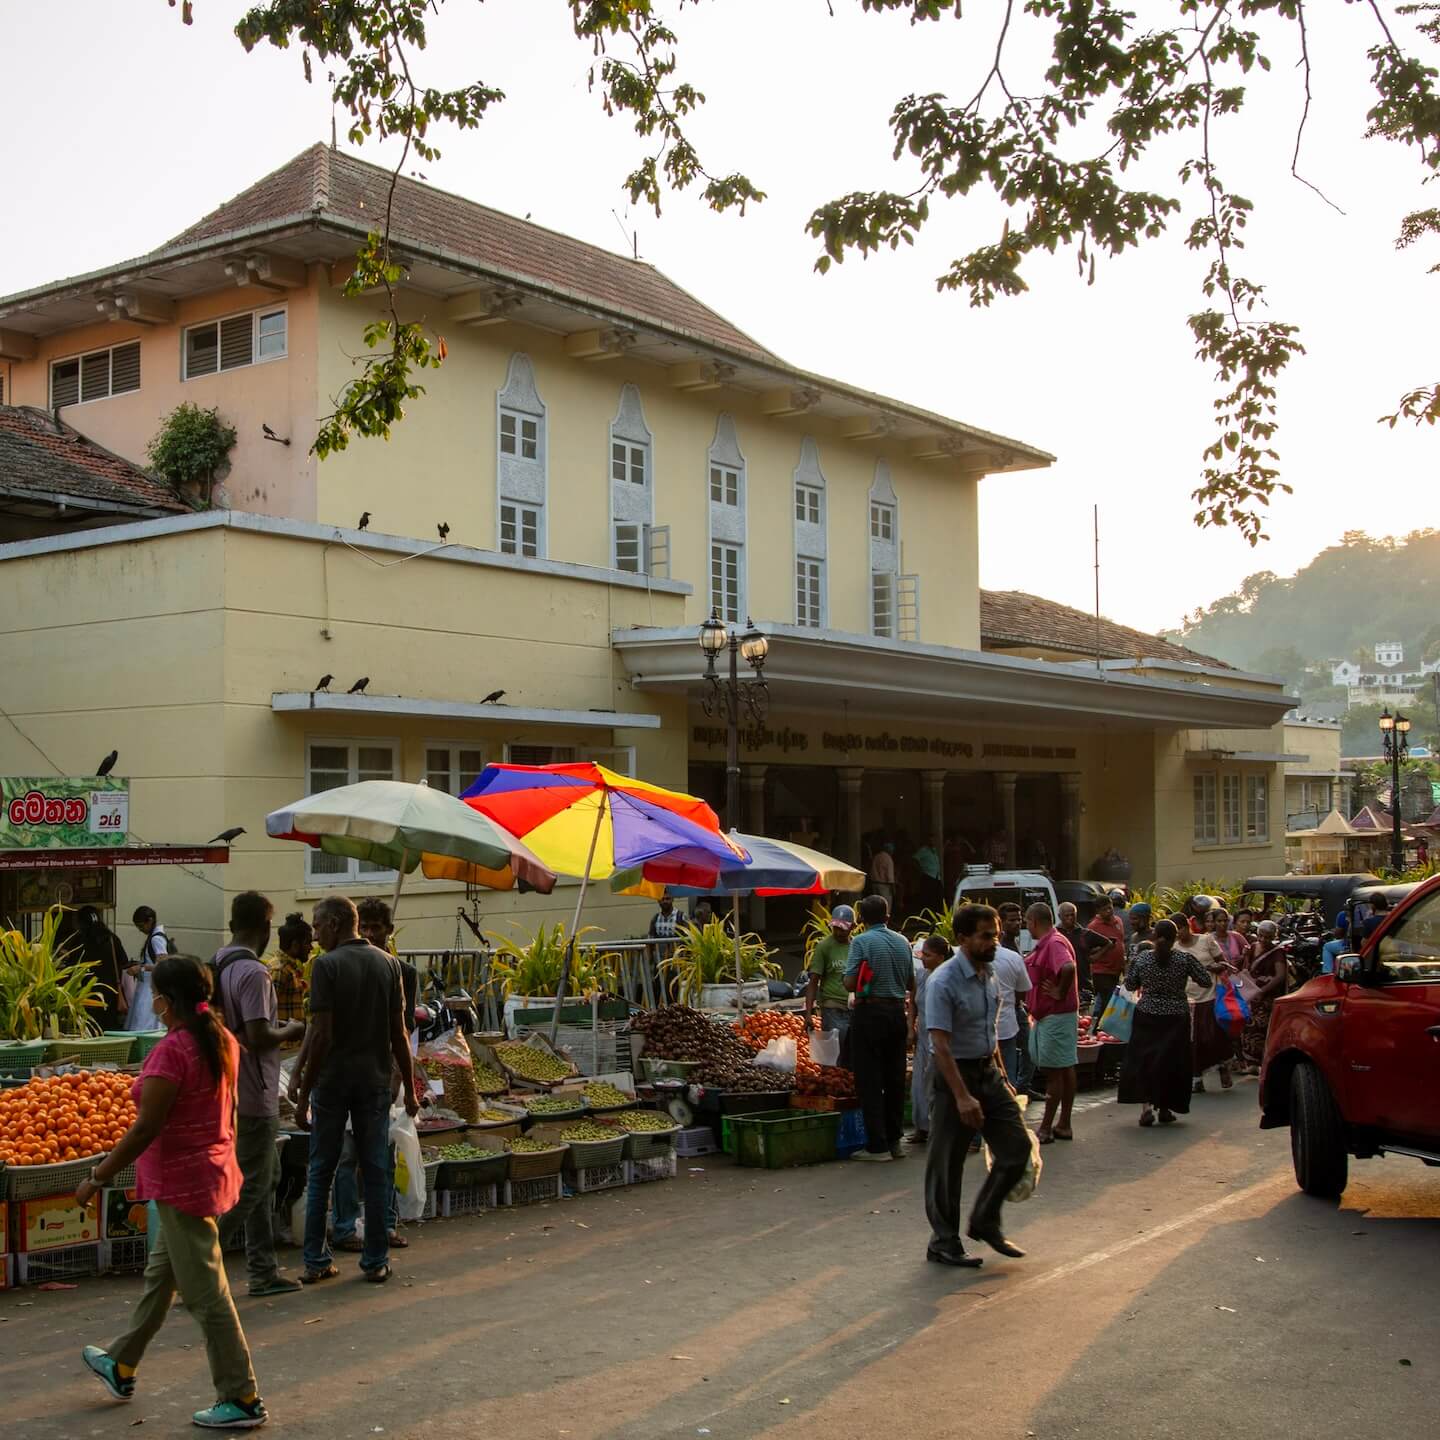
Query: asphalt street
point(1177, 1284)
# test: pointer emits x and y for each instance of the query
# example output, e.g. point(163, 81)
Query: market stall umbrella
point(773, 867)
point(407, 827)
point(585, 820)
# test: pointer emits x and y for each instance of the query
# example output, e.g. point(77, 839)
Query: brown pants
point(186, 1257)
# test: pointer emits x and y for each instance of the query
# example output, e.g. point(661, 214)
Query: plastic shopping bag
point(449, 1056)
point(825, 1047)
point(409, 1166)
point(1119, 1017)
point(1024, 1187)
point(1232, 1010)
point(779, 1054)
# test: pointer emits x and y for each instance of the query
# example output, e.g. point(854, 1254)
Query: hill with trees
point(1348, 598)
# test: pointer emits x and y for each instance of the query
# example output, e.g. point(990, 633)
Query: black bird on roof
point(108, 763)
point(324, 682)
point(226, 836)
point(493, 698)
point(364, 521)
point(443, 530)
point(358, 688)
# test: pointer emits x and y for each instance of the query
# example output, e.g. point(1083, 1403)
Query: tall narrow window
point(882, 604)
point(809, 589)
point(330, 764)
point(1206, 831)
point(453, 768)
point(811, 544)
point(885, 563)
point(725, 581)
point(521, 463)
point(1257, 807)
point(1229, 809)
point(725, 465)
point(632, 487)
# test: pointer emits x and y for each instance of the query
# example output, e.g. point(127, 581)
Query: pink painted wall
point(265, 477)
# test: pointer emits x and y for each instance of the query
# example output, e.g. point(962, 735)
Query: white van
point(984, 885)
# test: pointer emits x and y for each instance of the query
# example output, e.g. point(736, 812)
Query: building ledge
point(1251, 757)
point(287, 702)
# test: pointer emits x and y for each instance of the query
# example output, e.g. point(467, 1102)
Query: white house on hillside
point(1388, 680)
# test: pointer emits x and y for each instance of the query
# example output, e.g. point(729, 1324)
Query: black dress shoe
point(954, 1257)
point(995, 1239)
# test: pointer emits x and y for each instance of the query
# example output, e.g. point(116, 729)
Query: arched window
point(632, 487)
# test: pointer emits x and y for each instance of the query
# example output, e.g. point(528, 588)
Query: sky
point(164, 122)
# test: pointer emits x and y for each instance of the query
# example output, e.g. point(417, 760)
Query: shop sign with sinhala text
point(63, 813)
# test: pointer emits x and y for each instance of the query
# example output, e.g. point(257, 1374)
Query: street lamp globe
point(1387, 721)
point(754, 646)
point(712, 635)
point(1402, 723)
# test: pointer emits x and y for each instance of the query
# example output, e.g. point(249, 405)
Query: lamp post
point(1395, 729)
point(729, 695)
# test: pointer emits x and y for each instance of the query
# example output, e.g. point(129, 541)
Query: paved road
point(1177, 1285)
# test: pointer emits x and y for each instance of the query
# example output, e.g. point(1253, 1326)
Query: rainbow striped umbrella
point(583, 819)
point(773, 867)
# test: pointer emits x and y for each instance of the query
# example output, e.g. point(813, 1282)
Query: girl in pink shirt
point(183, 1147)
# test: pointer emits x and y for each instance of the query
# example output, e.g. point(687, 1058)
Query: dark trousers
point(368, 1110)
point(1104, 989)
point(255, 1154)
point(1005, 1133)
point(877, 1053)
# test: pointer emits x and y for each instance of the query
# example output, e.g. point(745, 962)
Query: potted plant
point(703, 965)
point(45, 990)
point(529, 973)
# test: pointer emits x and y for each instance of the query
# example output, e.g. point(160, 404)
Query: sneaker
point(874, 1157)
point(105, 1369)
point(232, 1415)
point(897, 1151)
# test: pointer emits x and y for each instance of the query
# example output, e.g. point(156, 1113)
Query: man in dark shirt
point(358, 1030)
point(1082, 941)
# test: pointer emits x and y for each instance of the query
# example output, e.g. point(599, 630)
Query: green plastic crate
point(91, 1049)
point(19, 1057)
point(777, 1139)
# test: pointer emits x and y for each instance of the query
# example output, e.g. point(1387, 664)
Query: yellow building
point(601, 461)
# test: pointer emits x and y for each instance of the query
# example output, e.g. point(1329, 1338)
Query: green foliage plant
point(191, 444)
point(44, 990)
point(706, 956)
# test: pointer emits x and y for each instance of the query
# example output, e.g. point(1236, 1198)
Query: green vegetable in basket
point(553, 1104)
point(604, 1096)
point(496, 1117)
point(488, 1081)
point(525, 1146)
point(590, 1130)
point(645, 1121)
point(467, 1152)
point(531, 1063)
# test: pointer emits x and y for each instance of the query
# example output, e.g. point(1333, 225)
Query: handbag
point(1232, 1010)
point(1119, 1017)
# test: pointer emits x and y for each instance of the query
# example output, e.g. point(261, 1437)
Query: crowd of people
point(208, 1119)
point(988, 1010)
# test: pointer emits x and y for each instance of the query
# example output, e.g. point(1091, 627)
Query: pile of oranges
point(761, 1026)
point(64, 1117)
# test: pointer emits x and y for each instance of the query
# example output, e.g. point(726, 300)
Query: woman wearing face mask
point(183, 1146)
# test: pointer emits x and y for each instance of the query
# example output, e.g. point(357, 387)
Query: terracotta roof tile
point(41, 457)
point(1011, 618)
point(327, 183)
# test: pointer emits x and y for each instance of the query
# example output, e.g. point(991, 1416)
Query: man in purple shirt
point(246, 995)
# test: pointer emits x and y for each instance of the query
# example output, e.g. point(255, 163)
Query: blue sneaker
point(232, 1415)
point(104, 1368)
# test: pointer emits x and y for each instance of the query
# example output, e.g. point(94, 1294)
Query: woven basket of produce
point(652, 1134)
point(532, 1062)
point(591, 1142)
point(91, 1049)
point(600, 1095)
point(567, 1105)
point(19, 1057)
point(532, 1159)
point(464, 1166)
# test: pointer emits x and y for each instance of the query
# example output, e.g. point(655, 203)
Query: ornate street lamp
point(1395, 731)
point(728, 695)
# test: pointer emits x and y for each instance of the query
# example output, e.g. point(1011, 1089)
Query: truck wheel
point(1317, 1136)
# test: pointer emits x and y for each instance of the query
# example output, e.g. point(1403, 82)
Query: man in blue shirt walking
point(881, 976)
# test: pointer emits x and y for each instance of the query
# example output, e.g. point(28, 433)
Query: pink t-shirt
point(190, 1165)
point(1044, 963)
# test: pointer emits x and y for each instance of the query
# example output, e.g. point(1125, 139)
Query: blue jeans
point(1010, 1055)
point(347, 1193)
point(368, 1110)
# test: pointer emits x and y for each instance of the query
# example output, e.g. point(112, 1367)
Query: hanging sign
point(71, 813)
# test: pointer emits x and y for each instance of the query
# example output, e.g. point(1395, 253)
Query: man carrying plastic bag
point(969, 1095)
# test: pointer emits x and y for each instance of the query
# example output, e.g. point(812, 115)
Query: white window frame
point(630, 452)
point(519, 421)
point(352, 745)
point(256, 358)
point(452, 750)
point(809, 503)
point(1232, 809)
point(883, 605)
point(882, 521)
point(802, 616)
point(1257, 830)
point(79, 360)
point(515, 545)
point(727, 569)
point(1205, 803)
point(642, 546)
point(726, 486)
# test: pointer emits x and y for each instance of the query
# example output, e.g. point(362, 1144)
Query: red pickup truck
point(1352, 1060)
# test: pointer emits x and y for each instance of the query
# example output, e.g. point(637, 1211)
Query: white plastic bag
point(825, 1047)
point(779, 1054)
point(1024, 1187)
point(409, 1166)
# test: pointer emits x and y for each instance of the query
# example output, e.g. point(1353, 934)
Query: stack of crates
point(124, 1227)
point(53, 1237)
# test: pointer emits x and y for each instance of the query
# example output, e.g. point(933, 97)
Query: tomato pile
point(64, 1117)
point(829, 1080)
